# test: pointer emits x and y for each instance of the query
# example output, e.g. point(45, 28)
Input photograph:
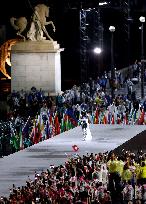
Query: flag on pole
point(104, 119)
point(62, 125)
point(15, 142)
point(36, 133)
point(21, 139)
point(134, 116)
point(113, 120)
point(125, 119)
point(53, 131)
point(75, 148)
point(56, 125)
point(47, 130)
point(141, 118)
point(145, 118)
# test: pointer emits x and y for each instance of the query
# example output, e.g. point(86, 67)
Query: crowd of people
point(23, 107)
point(28, 110)
point(102, 178)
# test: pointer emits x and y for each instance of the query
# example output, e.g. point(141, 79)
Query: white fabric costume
point(86, 130)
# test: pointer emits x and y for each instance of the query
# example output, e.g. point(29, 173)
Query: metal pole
point(142, 64)
point(128, 37)
point(112, 66)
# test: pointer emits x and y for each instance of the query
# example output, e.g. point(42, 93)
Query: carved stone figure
point(37, 24)
point(5, 55)
point(37, 29)
point(19, 24)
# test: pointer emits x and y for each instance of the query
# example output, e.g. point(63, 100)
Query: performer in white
point(86, 130)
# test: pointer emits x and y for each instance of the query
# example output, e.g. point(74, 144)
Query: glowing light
point(142, 19)
point(8, 61)
point(103, 3)
point(97, 50)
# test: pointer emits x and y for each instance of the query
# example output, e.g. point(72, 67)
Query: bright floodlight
point(112, 28)
point(97, 50)
point(103, 3)
point(142, 19)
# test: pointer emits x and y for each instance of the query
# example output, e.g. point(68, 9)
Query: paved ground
point(17, 167)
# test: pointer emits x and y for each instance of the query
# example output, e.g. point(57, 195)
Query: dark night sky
point(67, 33)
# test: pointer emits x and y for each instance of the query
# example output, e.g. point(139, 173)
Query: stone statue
point(19, 24)
point(5, 55)
point(37, 24)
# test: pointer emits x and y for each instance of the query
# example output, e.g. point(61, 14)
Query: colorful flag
point(15, 142)
point(62, 125)
point(75, 148)
point(104, 120)
point(125, 119)
point(113, 120)
point(96, 116)
point(48, 135)
point(21, 139)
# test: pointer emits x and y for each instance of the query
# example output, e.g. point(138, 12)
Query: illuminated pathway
point(17, 167)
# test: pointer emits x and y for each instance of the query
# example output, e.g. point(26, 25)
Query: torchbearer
point(85, 129)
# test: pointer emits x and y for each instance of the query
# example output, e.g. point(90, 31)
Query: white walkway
point(17, 167)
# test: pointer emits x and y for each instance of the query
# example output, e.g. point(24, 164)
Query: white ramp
point(15, 168)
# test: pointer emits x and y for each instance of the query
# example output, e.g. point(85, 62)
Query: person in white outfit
point(85, 129)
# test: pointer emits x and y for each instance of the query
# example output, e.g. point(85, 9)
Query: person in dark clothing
point(135, 105)
point(49, 101)
point(133, 96)
point(144, 105)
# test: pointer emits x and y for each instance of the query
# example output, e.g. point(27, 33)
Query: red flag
point(119, 120)
point(113, 121)
point(57, 129)
point(104, 120)
point(56, 119)
point(34, 131)
point(142, 117)
point(53, 131)
point(38, 134)
point(96, 116)
point(56, 125)
point(125, 120)
point(75, 148)
point(50, 119)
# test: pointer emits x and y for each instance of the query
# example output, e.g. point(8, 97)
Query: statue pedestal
point(36, 64)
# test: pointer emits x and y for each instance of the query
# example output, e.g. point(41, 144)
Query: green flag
point(62, 125)
point(15, 142)
point(21, 146)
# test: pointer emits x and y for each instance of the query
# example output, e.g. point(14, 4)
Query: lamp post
point(97, 50)
point(142, 20)
point(112, 30)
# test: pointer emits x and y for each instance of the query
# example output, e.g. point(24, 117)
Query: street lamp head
point(112, 28)
point(103, 3)
point(97, 50)
point(142, 19)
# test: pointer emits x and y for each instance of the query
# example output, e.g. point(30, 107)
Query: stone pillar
point(36, 64)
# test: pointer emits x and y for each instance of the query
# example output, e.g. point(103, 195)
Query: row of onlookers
point(90, 97)
point(103, 178)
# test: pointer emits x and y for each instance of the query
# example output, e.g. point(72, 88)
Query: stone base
point(36, 64)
